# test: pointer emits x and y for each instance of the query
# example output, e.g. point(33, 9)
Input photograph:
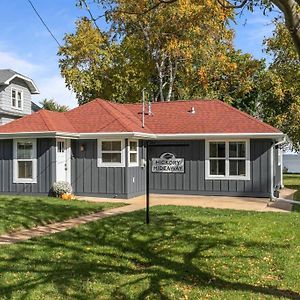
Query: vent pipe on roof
point(192, 111)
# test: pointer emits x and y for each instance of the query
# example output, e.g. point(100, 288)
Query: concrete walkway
point(238, 203)
point(26, 234)
point(222, 202)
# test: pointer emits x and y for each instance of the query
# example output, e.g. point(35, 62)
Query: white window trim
point(22, 98)
point(227, 176)
point(134, 164)
point(16, 178)
point(102, 164)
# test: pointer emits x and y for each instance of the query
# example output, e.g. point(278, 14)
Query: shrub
point(61, 187)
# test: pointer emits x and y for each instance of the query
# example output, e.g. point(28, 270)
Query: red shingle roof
point(211, 116)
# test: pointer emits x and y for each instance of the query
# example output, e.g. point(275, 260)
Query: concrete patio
point(222, 202)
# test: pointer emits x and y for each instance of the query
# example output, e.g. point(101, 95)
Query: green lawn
point(18, 212)
point(292, 181)
point(185, 253)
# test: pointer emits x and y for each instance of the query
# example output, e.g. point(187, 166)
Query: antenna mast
point(143, 112)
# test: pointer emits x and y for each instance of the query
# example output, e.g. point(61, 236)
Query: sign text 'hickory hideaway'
point(168, 163)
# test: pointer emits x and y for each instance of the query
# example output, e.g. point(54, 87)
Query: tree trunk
point(290, 9)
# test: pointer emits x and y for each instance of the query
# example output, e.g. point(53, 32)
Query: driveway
point(238, 203)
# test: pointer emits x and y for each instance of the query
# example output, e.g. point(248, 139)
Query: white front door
point(63, 160)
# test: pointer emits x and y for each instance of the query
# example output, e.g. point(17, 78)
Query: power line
point(48, 29)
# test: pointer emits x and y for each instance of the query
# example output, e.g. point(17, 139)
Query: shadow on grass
point(26, 212)
point(121, 258)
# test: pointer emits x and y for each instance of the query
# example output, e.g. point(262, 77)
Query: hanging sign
point(167, 163)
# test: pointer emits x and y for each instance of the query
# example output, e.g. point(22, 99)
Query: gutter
point(272, 197)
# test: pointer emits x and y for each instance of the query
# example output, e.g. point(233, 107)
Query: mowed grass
point(18, 212)
point(185, 253)
point(292, 181)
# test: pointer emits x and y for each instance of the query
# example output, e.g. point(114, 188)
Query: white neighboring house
point(15, 95)
point(291, 162)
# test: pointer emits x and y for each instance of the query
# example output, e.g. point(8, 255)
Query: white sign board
point(167, 163)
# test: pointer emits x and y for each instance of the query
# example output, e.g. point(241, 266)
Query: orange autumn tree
point(167, 51)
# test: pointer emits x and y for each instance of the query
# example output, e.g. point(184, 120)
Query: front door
point(63, 163)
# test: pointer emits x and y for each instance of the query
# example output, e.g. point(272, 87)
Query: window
point(227, 160)
point(111, 153)
point(25, 161)
point(60, 146)
point(133, 154)
point(17, 98)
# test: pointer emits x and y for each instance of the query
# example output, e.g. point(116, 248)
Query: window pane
point(106, 146)
point(133, 157)
point(19, 95)
point(133, 146)
point(242, 150)
point(13, 94)
point(116, 146)
point(237, 149)
point(25, 169)
point(237, 167)
point(61, 147)
point(217, 167)
point(111, 146)
point(217, 149)
point(111, 157)
point(25, 150)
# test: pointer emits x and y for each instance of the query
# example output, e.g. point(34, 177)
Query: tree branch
point(227, 4)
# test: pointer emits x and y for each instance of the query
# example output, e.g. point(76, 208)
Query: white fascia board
point(137, 135)
point(41, 134)
point(219, 135)
point(25, 79)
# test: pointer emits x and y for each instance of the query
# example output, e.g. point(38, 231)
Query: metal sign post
point(147, 184)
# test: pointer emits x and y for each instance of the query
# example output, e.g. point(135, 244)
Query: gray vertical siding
point(88, 179)
point(192, 181)
point(45, 168)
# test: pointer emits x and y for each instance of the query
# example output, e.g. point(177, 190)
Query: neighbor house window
point(133, 153)
point(16, 98)
point(25, 161)
point(227, 160)
point(111, 153)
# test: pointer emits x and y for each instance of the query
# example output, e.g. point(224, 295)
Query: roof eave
point(140, 135)
point(32, 86)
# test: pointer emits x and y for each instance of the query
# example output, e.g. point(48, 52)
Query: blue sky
point(27, 47)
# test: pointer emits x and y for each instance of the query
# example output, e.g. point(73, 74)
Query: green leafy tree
point(279, 95)
point(50, 104)
point(164, 51)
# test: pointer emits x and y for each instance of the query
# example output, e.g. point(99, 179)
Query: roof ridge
point(115, 113)
point(248, 116)
point(42, 112)
point(48, 121)
point(112, 113)
point(130, 115)
point(173, 101)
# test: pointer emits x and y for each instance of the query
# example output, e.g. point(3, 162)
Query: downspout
point(272, 197)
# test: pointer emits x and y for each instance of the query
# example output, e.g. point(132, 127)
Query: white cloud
point(10, 61)
point(51, 85)
point(54, 88)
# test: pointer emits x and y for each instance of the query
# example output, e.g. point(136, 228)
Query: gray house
point(201, 147)
point(15, 96)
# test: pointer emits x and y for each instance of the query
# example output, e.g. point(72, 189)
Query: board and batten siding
point(192, 181)
point(45, 168)
point(89, 179)
point(5, 96)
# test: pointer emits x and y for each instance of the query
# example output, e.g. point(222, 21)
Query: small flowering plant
point(60, 188)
